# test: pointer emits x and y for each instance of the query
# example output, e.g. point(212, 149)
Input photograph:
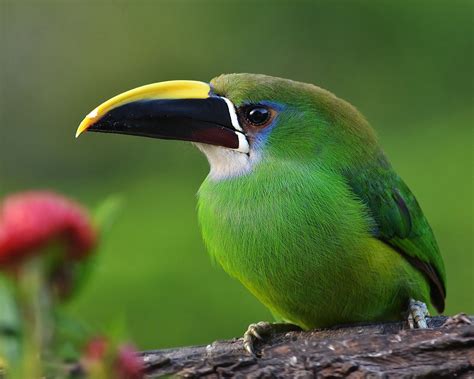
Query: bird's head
point(240, 120)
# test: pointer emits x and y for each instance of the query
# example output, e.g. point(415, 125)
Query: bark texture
point(385, 350)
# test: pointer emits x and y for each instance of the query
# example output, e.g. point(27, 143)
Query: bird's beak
point(179, 110)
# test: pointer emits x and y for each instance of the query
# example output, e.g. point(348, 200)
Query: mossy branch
point(445, 350)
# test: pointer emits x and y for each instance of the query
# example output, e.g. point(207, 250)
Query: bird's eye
point(257, 115)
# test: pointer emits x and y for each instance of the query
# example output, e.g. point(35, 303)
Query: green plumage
point(320, 229)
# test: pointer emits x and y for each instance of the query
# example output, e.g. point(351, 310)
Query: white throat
point(227, 163)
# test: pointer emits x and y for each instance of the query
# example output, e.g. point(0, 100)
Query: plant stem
point(35, 304)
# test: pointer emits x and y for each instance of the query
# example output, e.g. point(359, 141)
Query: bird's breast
point(279, 219)
point(300, 242)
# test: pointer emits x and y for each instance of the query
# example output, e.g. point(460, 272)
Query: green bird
point(301, 205)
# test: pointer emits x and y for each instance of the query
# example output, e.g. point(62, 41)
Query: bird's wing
point(400, 222)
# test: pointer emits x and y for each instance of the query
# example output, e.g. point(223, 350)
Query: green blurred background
point(407, 65)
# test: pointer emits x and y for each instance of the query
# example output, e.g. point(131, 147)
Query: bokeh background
point(407, 65)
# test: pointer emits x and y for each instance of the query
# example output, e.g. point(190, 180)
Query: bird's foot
point(417, 312)
point(459, 319)
point(262, 329)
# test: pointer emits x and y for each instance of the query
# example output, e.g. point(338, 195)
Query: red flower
point(122, 360)
point(128, 364)
point(96, 349)
point(32, 220)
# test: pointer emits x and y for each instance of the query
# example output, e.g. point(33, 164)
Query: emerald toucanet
point(301, 205)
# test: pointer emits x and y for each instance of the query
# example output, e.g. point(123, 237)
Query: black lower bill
point(197, 120)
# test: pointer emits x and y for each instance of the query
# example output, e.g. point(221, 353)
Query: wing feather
point(400, 222)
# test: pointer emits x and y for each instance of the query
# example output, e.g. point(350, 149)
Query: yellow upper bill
point(174, 89)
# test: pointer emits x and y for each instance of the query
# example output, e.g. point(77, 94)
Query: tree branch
point(444, 350)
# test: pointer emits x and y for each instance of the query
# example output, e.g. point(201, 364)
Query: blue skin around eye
point(262, 136)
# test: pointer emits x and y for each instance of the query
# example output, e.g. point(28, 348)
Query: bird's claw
point(259, 330)
point(417, 312)
point(254, 332)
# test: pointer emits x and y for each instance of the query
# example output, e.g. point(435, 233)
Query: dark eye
point(257, 115)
